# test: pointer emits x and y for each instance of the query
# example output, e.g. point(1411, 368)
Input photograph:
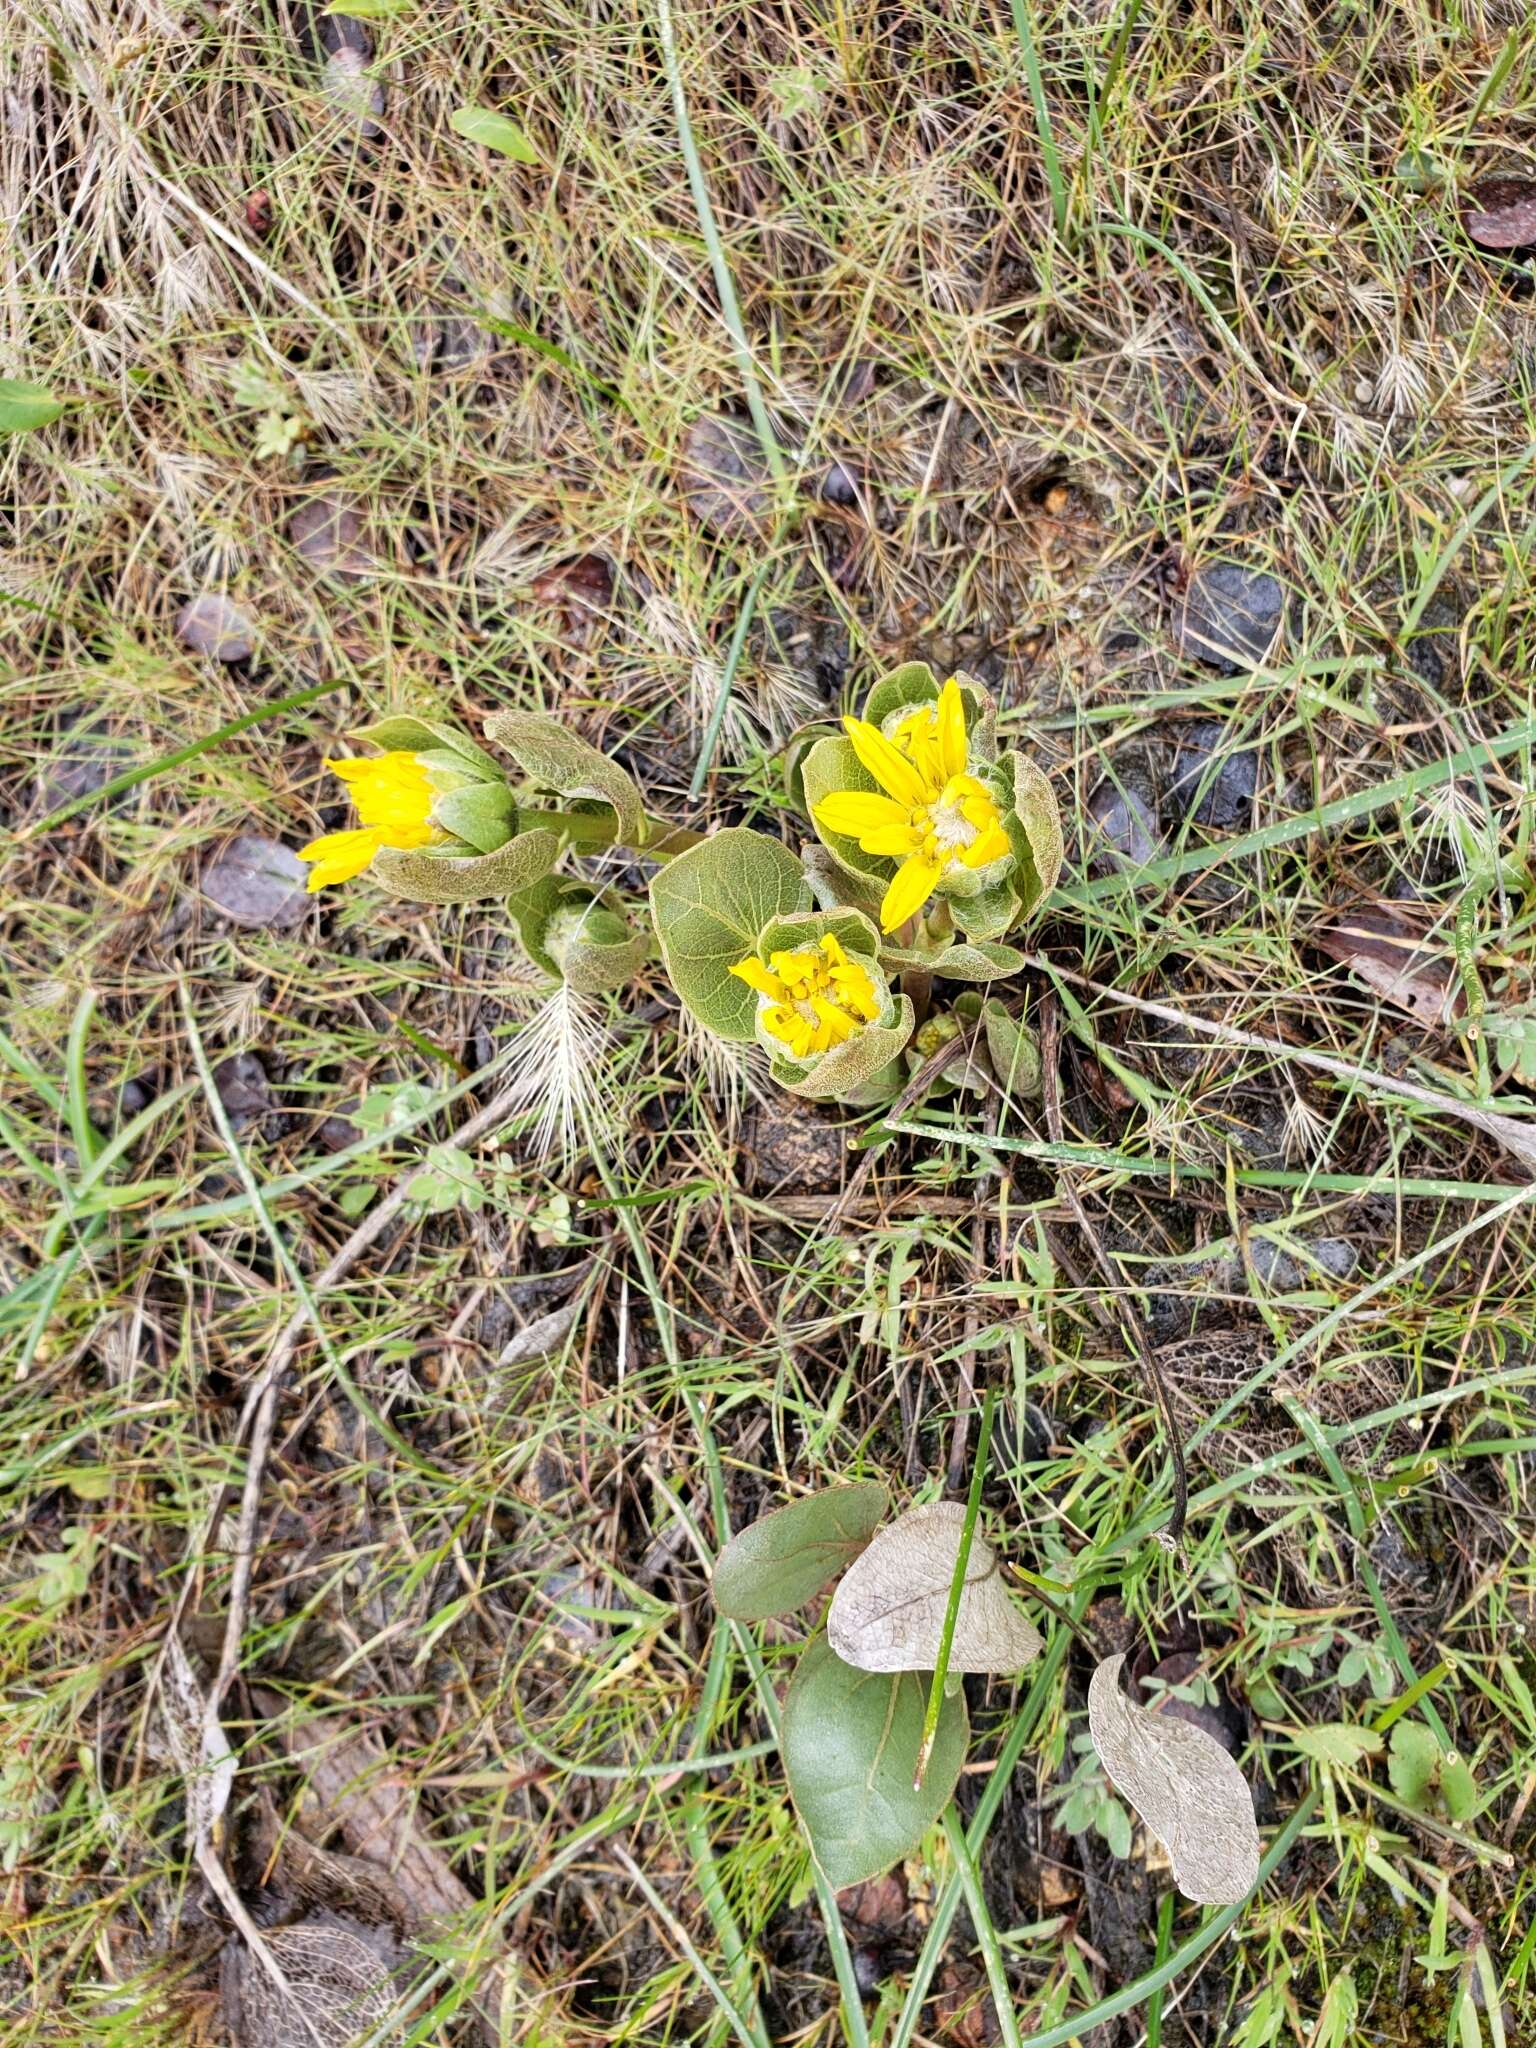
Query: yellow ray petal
point(756, 975)
point(989, 845)
point(836, 1024)
point(892, 770)
point(951, 724)
point(338, 856)
point(910, 889)
point(854, 812)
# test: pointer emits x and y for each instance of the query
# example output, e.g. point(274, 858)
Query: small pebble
point(1123, 823)
point(725, 477)
point(1228, 616)
point(1227, 798)
point(211, 625)
point(328, 534)
point(257, 882)
point(244, 1088)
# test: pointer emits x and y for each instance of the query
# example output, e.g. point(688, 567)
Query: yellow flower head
point(813, 999)
point(392, 794)
point(933, 817)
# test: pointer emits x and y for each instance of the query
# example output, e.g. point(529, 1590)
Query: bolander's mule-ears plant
point(922, 848)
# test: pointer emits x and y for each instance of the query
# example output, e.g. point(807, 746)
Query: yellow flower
point(813, 999)
point(392, 794)
point(934, 816)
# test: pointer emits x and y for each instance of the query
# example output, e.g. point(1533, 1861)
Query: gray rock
point(244, 1088)
point(255, 881)
point(1228, 616)
point(327, 533)
point(1281, 1273)
point(88, 757)
point(211, 625)
point(1123, 827)
point(1222, 796)
point(725, 477)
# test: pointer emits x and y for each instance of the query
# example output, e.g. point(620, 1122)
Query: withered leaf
point(1185, 1787)
point(1501, 213)
point(1382, 948)
point(335, 1987)
point(888, 1612)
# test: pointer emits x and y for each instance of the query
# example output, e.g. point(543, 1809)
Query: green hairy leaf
point(406, 734)
point(709, 905)
point(562, 761)
point(431, 877)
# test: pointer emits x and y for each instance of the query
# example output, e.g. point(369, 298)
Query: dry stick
point(1517, 1138)
point(1050, 1046)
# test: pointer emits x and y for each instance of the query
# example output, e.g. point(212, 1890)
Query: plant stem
point(1023, 28)
point(956, 1588)
point(986, 1933)
point(590, 830)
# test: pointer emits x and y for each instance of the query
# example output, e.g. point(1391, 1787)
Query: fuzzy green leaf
point(709, 906)
point(560, 760)
point(1013, 1050)
point(977, 961)
point(782, 1561)
point(915, 683)
point(482, 814)
point(1337, 1742)
point(903, 689)
point(1034, 831)
point(851, 928)
point(25, 407)
point(987, 915)
point(404, 733)
point(449, 878)
point(850, 1744)
point(493, 131)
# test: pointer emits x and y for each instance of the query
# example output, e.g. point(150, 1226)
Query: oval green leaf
point(850, 1742)
point(709, 906)
point(450, 878)
point(783, 1560)
point(493, 131)
point(560, 760)
point(25, 407)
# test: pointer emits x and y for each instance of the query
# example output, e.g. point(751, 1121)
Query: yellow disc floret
point(392, 794)
point(812, 999)
point(933, 816)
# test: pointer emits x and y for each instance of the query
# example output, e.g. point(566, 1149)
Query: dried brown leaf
point(1381, 948)
point(888, 1611)
point(1501, 213)
point(336, 1987)
point(1185, 1787)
